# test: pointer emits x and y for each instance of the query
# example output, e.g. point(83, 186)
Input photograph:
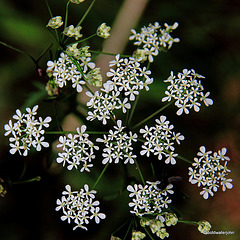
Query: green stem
point(139, 171)
point(152, 115)
point(129, 227)
point(18, 50)
point(74, 132)
point(148, 233)
point(38, 178)
point(86, 13)
point(188, 222)
point(184, 159)
point(82, 40)
point(100, 176)
point(132, 110)
point(107, 53)
point(66, 20)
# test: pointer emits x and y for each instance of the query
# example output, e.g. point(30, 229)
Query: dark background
point(209, 33)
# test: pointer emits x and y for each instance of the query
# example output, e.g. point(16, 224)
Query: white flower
point(78, 150)
point(152, 37)
point(125, 83)
point(27, 131)
point(148, 199)
point(187, 90)
point(160, 139)
point(118, 145)
point(78, 206)
point(210, 171)
point(66, 69)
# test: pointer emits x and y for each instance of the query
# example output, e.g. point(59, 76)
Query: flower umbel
point(210, 171)
point(27, 131)
point(149, 199)
point(78, 150)
point(118, 145)
point(103, 31)
point(65, 70)
point(160, 140)
point(79, 206)
point(152, 38)
point(187, 90)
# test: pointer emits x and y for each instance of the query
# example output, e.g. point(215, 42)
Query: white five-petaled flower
point(118, 145)
point(79, 206)
point(210, 171)
point(187, 91)
point(126, 81)
point(27, 131)
point(78, 150)
point(148, 199)
point(152, 38)
point(160, 140)
point(66, 70)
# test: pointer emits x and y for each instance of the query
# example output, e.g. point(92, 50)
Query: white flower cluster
point(79, 206)
point(210, 171)
point(126, 82)
point(27, 131)
point(160, 140)
point(149, 199)
point(153, 37)
point(78, 150)
point(64, 70)
point(118, 145)
point(187, 90)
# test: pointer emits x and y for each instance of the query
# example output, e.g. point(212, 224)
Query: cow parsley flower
point(79, 207)
point(210, 171)
point(118, 145)
point(152, 37)
point(65, 70)
point(27, 131)
point(55, 22)
point(117, 93)
point(103, 31)
point(159, 140)
point(204, 227)
point(72, 31)
point(148, 199)
point(187, 90)
point(78, 150)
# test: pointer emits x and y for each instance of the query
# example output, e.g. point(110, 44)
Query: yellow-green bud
point(115, 238)
point(171, 219)
point(137, 235)
point(55, 22)
point(140, 54)
point(204, 227)
point(72, 31)
point(103, 31)
point(155, 225)
point(94, 77)
point(3, 190)
point(162, 233)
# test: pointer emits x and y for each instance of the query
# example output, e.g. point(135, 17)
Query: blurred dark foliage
point(210, 34)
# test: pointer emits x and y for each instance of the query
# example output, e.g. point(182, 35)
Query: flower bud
point(103, 31)
point(55, 22)
point(204, 227)
point(171, 219)
point(137, 235)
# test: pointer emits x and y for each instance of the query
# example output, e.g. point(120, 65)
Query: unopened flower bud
point(137, 235)
point(204, 227)
point(103, 31)
point(55, 22)
point(171, 219)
